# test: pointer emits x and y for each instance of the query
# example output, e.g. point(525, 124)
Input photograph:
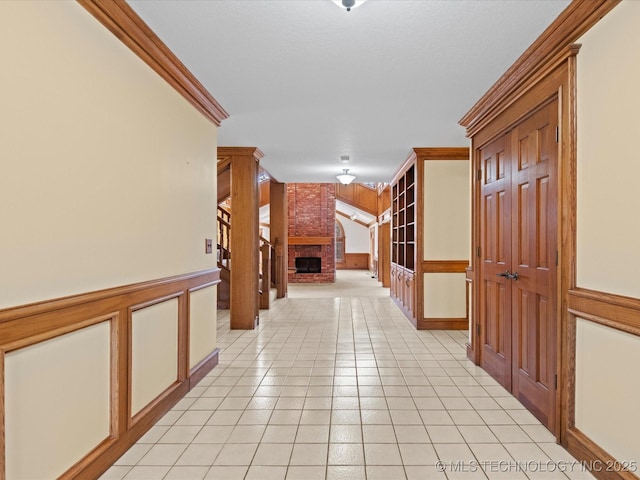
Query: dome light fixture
point(346, 178)
point(348, 4)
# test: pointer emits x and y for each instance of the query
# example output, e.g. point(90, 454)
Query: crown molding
point(121, 20)
point(255, 152)
point(550, 46)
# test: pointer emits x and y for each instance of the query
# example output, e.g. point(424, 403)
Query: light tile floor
point(345, 388)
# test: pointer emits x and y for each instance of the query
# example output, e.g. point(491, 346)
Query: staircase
point(267, 267)
point(224, 258)
point(246, 260)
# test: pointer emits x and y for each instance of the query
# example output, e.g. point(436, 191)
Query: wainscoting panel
point(606, 361)
point(82, 378)
point(58, 401)
point(154, 352)
point(202, 323)
point(355, 261)
point(445, 295)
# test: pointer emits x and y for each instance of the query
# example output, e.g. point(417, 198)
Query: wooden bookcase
point(403, 239)
point(411, 267)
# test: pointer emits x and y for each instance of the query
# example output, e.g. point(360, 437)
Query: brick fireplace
point(312, 224)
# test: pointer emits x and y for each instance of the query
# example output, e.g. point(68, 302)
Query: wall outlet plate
point(208, 245)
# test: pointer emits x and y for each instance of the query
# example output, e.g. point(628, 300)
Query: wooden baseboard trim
point(203, 368)
point(443, 324)
point(470, 354)
point(594, 459)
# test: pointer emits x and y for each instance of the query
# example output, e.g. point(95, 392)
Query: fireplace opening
point(308, 264)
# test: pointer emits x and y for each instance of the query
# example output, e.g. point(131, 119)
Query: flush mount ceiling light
point(348, 4)
point(346, 178)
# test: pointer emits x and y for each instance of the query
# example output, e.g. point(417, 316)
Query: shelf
point(310, 240)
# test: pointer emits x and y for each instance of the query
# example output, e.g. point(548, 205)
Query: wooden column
point(245, 197)
point(278, 214)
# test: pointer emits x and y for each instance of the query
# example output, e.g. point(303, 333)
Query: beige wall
point(608, 258)
point(446, 234)
point(108, 178)
point(447, 214)
point(107, 173)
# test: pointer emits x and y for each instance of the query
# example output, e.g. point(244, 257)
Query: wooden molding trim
point(596, 460)
point(442, 153)
point(124, 23)
point(199, 371)
point(310, 240)
point(573, 22)
point(443, 324)
point(470, 353)
point(358, 221)
point(228, 152)
point(615, 311)
point(211, 275)
point(445, 266)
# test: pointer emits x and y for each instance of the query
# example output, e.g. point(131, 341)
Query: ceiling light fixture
point(348, 4)
point(346, 178)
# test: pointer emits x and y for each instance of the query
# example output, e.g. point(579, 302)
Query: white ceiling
point(306, 81)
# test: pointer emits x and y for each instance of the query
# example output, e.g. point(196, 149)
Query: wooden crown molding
point(570, 25)
point(442, 153)
point(254, 152)
point(124, 23)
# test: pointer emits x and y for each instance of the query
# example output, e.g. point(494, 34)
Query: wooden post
point(280, 234)
point(245, 197)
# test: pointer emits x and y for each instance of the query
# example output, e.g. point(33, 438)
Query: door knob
point(506, 274)
point(514, 276)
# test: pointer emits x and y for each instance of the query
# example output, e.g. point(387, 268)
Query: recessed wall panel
point(608, 388)
point(154, 352)
point(57, 402)
point(202, 324)
point(446, 210)
point(445, 295)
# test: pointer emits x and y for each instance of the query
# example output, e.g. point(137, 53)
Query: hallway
point(345, 388)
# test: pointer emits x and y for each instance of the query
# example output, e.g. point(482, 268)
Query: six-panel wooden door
point(518, 245)
point(495, 248)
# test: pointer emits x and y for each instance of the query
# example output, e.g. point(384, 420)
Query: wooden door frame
point(558, 79)
point(553, 48)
